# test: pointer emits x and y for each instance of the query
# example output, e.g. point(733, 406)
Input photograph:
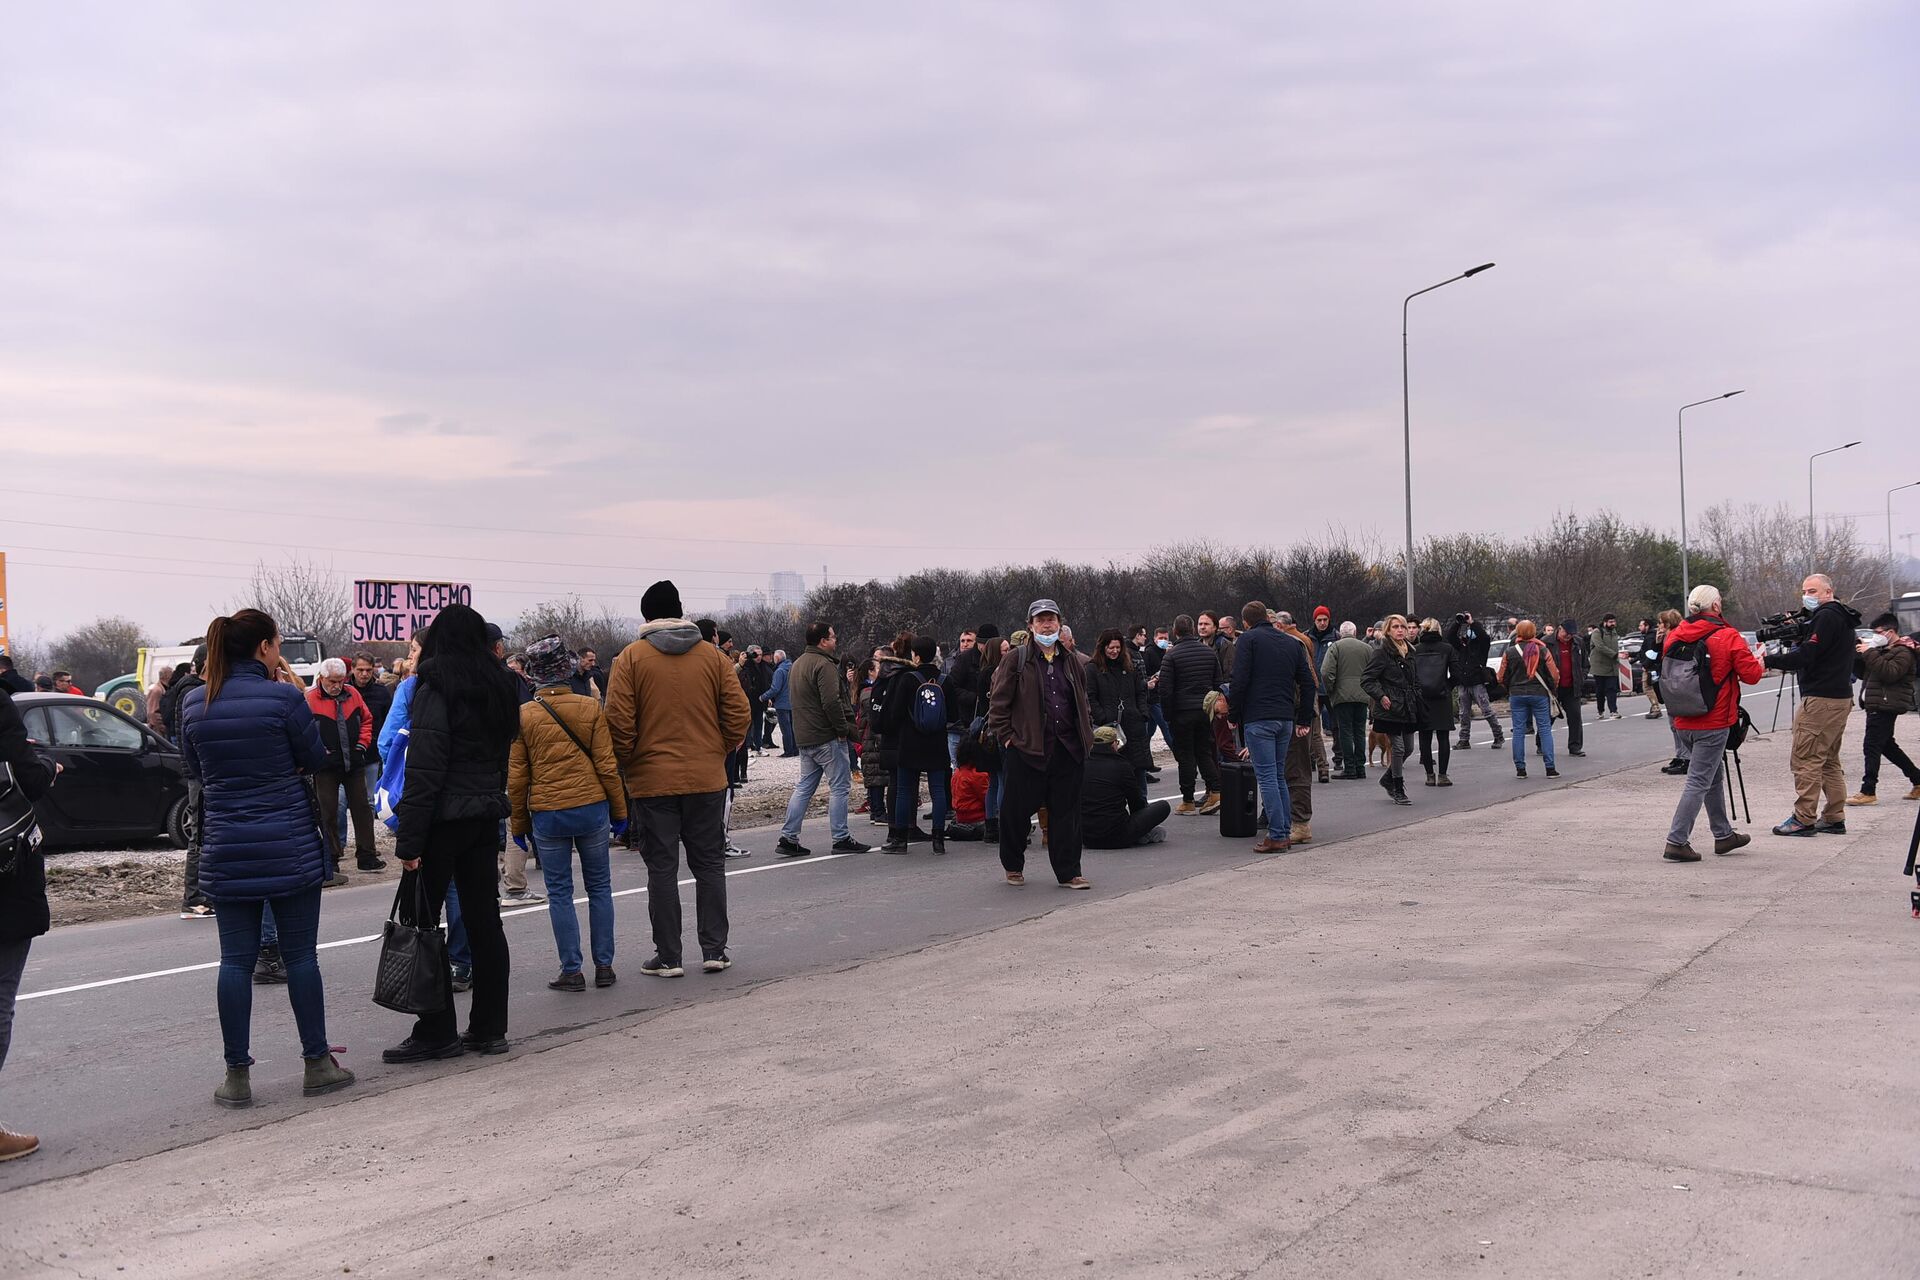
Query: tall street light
point(1813, 538)
point(1897, 488)
point(1680, 434)
point(1406, 413)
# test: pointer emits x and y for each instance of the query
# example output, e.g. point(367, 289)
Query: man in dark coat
point(1473, 643)
point(1191, 670)
point(1040, 714)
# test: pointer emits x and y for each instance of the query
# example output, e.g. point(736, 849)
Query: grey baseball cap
point(1040, 606)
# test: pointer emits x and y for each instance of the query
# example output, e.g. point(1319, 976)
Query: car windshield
point(299, 652)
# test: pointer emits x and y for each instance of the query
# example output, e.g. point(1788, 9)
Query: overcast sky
point(882, 286)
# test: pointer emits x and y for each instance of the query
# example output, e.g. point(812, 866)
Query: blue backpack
point(929, 709)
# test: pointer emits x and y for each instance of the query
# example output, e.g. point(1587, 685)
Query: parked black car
point(119, 779)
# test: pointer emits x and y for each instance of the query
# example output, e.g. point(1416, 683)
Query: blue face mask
point(1812, 602)
point(1164, 643)
point(1047, 642)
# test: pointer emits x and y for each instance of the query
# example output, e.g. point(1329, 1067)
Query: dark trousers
point(1350, 735)
point(1126, 832)
point(1570, 703)
point(697, 822)
point(329, 786)
point(1427, 735)
point(461, 852)
point(191, 895)
point(13, 963)
point(1606, 694)
point(906, 802)
point(1880, 743)
point(1193, 748)
point(1028, 787)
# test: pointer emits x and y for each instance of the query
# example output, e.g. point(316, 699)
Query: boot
point(1400, 791)
point(896, 841)
point(236, 1090)
point(1499, 738)
point(1465, 743)
point(940, 843)
point(268, 969)
point(1386, 781)
point(1431, 781)
point(324, 1075)
point(1302, 833)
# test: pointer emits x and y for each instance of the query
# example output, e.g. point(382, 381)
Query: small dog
point(1377, 741)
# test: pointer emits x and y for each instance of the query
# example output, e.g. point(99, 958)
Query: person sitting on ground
point(1114, 810)
point(1220, 724)
point(970, 784)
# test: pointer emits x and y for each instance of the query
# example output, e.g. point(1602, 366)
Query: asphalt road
point(117, 1047)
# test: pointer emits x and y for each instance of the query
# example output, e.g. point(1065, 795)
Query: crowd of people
point(481, 759)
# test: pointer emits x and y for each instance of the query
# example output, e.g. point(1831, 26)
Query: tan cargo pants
point(1817, 731)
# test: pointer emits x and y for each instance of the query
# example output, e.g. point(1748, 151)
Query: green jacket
point(1341, 669)
point(819, 704)
point(1605, 659)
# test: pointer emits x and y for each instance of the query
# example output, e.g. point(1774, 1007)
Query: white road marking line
point(375, 937)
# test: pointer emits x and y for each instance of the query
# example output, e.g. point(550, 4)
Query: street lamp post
point(1680, 434)
point(1813, 538)
point(1897, 488)
point(1406, 412)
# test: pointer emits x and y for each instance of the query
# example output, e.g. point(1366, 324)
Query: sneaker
point(1211, 805)
point(1863, 797)
point(1831, 828)
point(334, 879)
point(370, 864)
point(521, 898)
point(1576, 751)
point(656, 967)
point(14, 1145)
point(1727, 844)
point(462, 980)
point(201, 912)
point(850, 845)
point(1016, 879)
point(1520, 771)
point(791, 848)
point(1915, 793)
point(1793, 827)
point(1078, 882)
point(1552, 772)
point(1680, 853)
point(716, 964)
point(735, 851)
point(1676, 767)
point(1185, 807)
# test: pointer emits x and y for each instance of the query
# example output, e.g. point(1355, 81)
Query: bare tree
point(1765, 553)
point(305, 598)
point(30, 651)
point(599, 629)
point(101, 650)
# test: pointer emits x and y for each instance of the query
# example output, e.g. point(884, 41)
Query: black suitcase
point(1239, 800)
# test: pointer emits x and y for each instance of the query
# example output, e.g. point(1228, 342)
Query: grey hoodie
point(671, 635)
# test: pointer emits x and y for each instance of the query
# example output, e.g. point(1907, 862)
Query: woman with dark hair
point(922, 752)
point(880, 745)
point(465, 716)
point(1117, 695)
point(1439, 667)
point(246, 738)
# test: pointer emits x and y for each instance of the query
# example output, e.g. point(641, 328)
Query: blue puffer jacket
point(259, 837)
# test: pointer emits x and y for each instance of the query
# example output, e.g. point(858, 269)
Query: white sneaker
point(735, 851)
point(521, 898)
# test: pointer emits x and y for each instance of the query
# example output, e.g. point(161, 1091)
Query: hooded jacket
point(1731, 663)
point(1824, 660)
point(259, 834)
point(675, 710)
point(346, 726)
point(779, 693)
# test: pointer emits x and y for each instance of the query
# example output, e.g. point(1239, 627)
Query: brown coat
point(675, 710)
point(546, 771)
point(1015, 717)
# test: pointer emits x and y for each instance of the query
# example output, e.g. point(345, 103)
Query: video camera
point(1788, 628)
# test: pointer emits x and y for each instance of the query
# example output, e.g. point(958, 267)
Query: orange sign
point(5, 645)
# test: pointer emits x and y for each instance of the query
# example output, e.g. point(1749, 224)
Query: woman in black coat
point(23, 895)
point(921, 752)
point(1117, 695)
point(1437, 664)
point(464, 717)
point(1395, 689)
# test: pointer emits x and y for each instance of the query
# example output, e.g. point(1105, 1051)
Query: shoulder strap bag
point(571, 735)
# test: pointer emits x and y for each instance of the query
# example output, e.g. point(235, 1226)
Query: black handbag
point(19, 831)
point(413, 958)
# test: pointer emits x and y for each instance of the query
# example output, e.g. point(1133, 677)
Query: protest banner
point(395, 610)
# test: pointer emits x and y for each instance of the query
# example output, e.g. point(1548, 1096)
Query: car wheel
point(128, 702)
point(180, 823)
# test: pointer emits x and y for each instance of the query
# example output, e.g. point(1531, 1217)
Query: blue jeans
point(1268, 742)
point(830, 759)
point(1159, 719)
point(906, 798)
point(239, 923)
point(954, 738)
point(787, 747)
point(459, 953)
point(557, 833)
point(1531, 711)
point(269, 931)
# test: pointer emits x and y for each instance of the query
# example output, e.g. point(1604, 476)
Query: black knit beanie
point(662, 600)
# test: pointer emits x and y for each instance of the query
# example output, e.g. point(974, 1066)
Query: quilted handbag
point(412, 975)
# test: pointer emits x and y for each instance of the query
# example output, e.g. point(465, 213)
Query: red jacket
point(1733, 665)
point(969, 795)
point(359, 723)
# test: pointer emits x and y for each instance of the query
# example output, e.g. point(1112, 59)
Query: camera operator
point(1823, 661)
point(1888, 671)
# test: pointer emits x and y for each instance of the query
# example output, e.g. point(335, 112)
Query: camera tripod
point(1788, 680)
